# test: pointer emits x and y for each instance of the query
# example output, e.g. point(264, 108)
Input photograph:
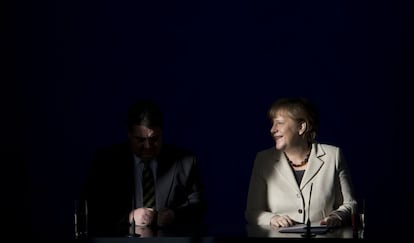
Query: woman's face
point(285, 131)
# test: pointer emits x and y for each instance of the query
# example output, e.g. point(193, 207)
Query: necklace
point(302, 163)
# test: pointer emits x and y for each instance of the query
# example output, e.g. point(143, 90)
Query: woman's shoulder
point(326, 146)
point(267, 151)
point(268, 154)
point(326, 149)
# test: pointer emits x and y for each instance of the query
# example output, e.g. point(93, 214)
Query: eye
point(153, 139)
point(140, 139)
point(278, 123)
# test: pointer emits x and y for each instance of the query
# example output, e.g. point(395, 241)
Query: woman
point(298, 172)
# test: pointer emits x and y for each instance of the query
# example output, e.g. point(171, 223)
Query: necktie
point(148, 187)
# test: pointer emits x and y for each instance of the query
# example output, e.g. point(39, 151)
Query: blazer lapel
point(314, 165)
point(283, 168)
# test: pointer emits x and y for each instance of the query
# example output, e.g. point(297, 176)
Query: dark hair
point(300, 110)
point(146, 113)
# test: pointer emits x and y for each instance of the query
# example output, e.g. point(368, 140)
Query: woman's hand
point(332, 221)
point(281, 221)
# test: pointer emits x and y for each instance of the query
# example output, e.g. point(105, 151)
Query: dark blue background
point(214, 67)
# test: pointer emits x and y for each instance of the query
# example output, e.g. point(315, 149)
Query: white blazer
point(273, 189)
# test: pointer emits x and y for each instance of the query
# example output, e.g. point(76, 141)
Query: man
point(116, 189)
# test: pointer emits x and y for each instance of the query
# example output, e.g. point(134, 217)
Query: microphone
point(308, 232)
point(132, 225)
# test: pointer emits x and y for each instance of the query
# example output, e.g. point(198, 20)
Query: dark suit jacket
point(110, 188)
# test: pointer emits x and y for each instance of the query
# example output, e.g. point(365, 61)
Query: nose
point(146, 143)
point(273, 129)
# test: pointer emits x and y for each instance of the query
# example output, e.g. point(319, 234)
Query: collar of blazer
point(314, 165)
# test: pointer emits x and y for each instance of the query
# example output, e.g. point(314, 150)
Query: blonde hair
point(300, 110)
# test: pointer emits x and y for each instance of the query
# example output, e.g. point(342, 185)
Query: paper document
point(301, 228)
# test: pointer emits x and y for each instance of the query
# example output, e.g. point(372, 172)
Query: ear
point(302, 127)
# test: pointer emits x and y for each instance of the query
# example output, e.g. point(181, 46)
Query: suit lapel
point(314, 165)
point(165, 177)
point(283, 168)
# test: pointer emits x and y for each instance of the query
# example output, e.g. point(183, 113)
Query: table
point(222, 233)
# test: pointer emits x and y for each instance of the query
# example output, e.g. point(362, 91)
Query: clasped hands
point(149, 216)
point(285, 221)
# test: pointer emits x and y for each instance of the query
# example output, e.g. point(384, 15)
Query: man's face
point(145, 142)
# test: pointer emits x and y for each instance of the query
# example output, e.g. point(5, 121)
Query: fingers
point(282, 221)
point(148, 216)
point(331, 221)
point(144, 216)
point(165, 217)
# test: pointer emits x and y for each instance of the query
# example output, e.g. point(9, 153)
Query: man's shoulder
point(174, 151)
point(106, 157)
point(117, 148)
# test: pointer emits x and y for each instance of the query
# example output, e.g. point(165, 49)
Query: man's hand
point(166, 216)
point(143, 216)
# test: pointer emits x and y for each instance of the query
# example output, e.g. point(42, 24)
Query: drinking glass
point(81, 219)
